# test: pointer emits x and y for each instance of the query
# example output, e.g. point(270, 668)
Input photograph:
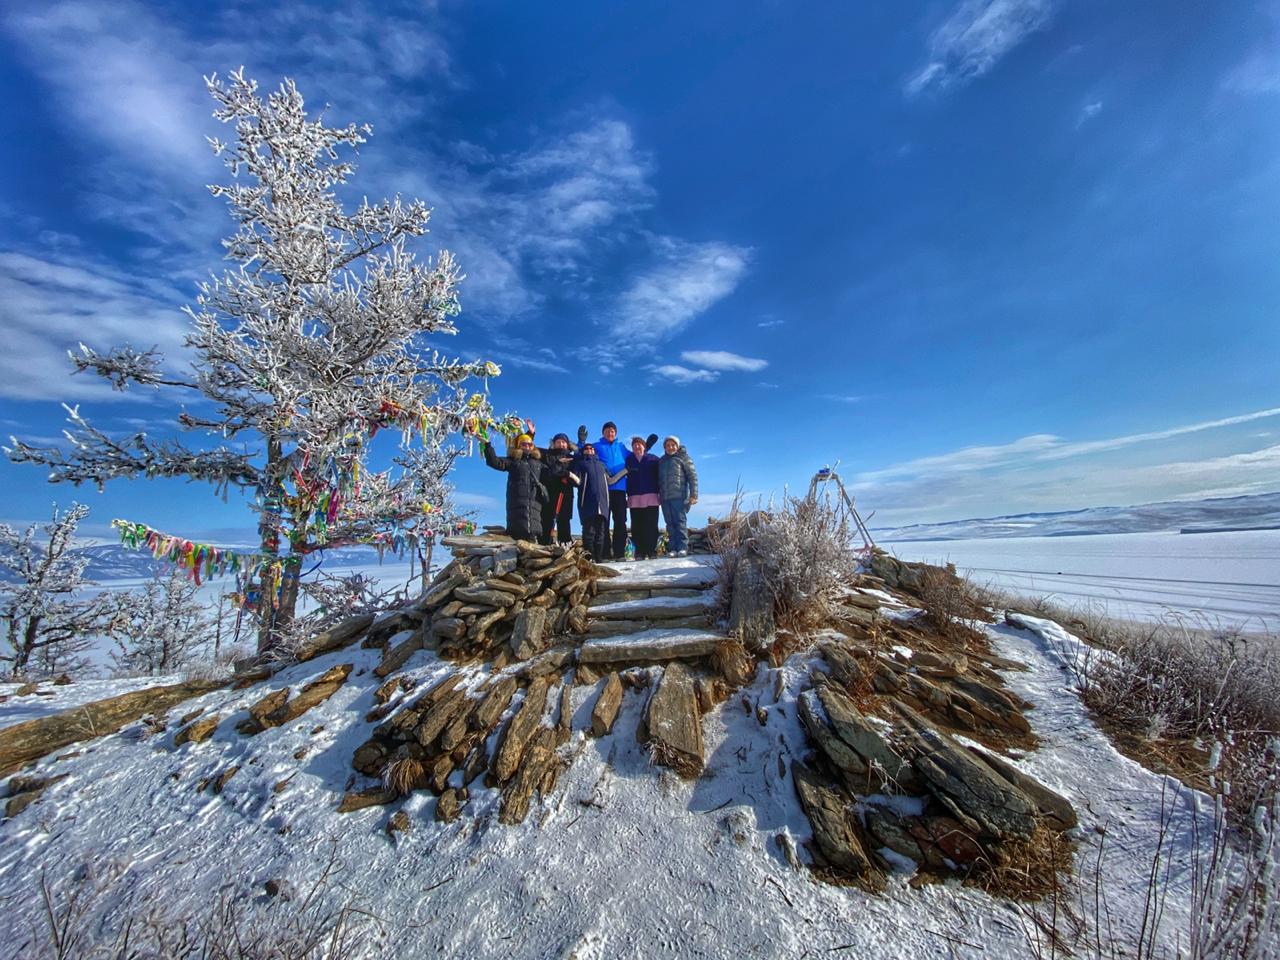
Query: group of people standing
point(607, 478)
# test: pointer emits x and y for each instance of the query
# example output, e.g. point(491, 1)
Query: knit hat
point(560, 436)
point(607, 425)
point(674, 439)
point(523, 438)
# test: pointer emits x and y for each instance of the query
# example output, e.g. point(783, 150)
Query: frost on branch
point(309, 345)
point(47, 625)
point(161, 627)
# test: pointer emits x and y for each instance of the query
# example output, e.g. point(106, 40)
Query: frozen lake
point(1228, 578)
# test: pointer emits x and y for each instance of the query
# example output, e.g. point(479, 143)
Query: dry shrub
point(1026, 869)
point(78, 920)
point(951, 606)
point(806, 549)
point(404, 775)
point(1167, 684)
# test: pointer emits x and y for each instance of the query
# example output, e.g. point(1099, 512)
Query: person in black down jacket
point(526, 486)
point(557, 512)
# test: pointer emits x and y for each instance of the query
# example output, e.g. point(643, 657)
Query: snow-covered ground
point(624, 860)
point(1228, 578)
point(52, 698)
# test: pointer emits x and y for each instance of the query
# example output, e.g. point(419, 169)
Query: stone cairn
point(527, 612)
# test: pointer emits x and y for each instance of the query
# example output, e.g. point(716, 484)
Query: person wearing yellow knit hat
point(526, 486)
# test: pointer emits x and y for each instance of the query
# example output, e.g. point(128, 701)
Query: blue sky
point(994, 255)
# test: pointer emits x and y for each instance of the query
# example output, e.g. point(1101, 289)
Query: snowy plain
point(623, 859)
point(1208, 579)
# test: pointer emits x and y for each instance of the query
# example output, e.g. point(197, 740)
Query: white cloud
point(766, 324)
point(842, 398)
point(121, 76)
point(47, 308)
point(683, 375)
point(687, 280)
point(1044, 447)
point(723, 360)
point(1044, 472)
point(475, 501)
point(1088, 112)
point(975, 37)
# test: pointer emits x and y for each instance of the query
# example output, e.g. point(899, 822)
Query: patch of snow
point(677, 572)
point(695, 605)
point(53, 699)
point(898, 863)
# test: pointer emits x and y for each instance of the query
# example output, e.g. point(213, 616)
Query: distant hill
point(1259, 511)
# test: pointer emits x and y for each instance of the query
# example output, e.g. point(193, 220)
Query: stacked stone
point(504, 599)
point(969, 800)
point(439, 742)
point(699, 542)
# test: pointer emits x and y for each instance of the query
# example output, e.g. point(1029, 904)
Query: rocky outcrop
point(871, 741)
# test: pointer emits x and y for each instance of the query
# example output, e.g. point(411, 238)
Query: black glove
point(650, 441)
point(582, 434)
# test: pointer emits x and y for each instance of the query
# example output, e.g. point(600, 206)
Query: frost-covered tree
point(307, 347)
point(48, 624)
point(161, 627)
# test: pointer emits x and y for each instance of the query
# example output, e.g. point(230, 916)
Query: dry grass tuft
point(951, 606)
point(404, 775)
point(1026, 869)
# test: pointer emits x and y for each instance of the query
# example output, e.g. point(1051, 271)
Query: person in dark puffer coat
point(678, 488)
point(526, 487)
point(557, 512)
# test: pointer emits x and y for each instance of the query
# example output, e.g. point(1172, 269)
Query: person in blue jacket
point(613, 454)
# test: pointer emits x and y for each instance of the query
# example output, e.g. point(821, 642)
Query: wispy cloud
point(842, 398)
point(1042, 471)
point(767, 324)
point(47, 308)
point(686, 280)
point(1088, 112)
point(684, 375)
point(974, 38)
point(1045, 447)
point(723, 360)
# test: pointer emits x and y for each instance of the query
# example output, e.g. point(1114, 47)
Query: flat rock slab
point(654, 608)
point(834, 829)
point(316, 692)
point(650, 645)
point(605, 711)
point(689, 573)
point(675, 722)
